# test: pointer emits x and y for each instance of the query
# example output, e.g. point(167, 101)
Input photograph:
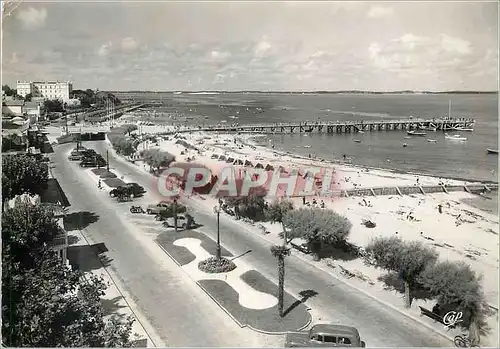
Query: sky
point(260, 45)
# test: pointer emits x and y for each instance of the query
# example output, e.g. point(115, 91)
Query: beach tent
point(231, 160)
point(222, 158)
point(238, 162)
point(259, 165)
point(269, 168)
point(282, 169)
point(214, 156)
point(308, 174)
point(248, 163)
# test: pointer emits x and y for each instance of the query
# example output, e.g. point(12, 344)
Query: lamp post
point(217, 211)
point(175, 214)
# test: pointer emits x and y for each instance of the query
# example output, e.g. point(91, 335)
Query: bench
point(433, 316)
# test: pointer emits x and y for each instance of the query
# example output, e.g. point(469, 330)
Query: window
point(344, 340)
point(330, 339)
point(320, 338)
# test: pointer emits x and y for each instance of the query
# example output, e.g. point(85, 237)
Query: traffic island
point(180, 254)
point(296, 314)
point(243, 293)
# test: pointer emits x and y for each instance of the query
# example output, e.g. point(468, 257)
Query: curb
point(227, 311)
point(148, 336)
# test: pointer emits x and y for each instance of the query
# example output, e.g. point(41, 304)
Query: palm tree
point(280, 252)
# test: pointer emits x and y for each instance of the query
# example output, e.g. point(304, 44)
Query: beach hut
point(248, 163)
point(214, 156)
point(230, 160)
point(222, 158)
point(259, 165)
point(269, 168)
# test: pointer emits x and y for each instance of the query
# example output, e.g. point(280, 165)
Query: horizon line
point(313, 91)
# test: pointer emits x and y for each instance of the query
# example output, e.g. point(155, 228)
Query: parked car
point(157, 208)
point(75, 157)
point(135, 188)
point(184, 221)
point(95, 162)
point(120, 191)
point(325, 335)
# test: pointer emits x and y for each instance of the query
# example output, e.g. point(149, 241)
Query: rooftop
point(13, 103)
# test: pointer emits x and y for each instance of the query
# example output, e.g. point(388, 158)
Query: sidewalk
point(86, 257)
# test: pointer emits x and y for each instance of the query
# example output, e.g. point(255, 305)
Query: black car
point(92, 163)
point(135, 188)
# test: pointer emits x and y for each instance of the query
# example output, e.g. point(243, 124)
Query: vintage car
point(325, 335)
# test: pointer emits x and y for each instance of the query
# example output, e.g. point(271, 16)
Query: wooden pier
point(319, 127)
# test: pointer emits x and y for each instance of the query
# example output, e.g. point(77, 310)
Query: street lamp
point(217, 211)
point(175, 214)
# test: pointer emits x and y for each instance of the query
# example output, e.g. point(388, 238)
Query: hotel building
point(46, 89)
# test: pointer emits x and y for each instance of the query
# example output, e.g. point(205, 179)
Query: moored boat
point(492, 151)
point(432, 140)
point(455, 137)
point(462, 129)
point(415, 133)
point(356, 140)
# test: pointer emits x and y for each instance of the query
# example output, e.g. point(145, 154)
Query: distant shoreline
point(319, 92)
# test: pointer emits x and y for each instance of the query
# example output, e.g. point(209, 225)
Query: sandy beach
point(465, 232)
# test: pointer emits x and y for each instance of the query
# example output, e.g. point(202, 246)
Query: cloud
point(129, 44)
point(105, 49)
point(220, 55)
point(455, 45)
point(380, 11)
point(32, 18)
point(262, 48)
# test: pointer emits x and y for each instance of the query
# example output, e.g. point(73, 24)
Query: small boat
point(407, 137)
point(433, 129)
point(307, 146)
point(432, 140)
point(361, 132)
point(462, 129)
point(356, 141)
point(455, 137)
point(415, 133)
point(492, 151)
point(232, 117)
point(405, 145)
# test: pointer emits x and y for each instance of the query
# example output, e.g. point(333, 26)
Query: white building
point(47, 89)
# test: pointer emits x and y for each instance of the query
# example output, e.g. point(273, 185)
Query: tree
point(275, 213)
point(277, 210)
point(54, 105)
point(129, 128)
point(252, 206)
point(23, 173)
point(9, 91)
point(123, 145)
point(317, 226)
point(28, 97)
point(456, 284)
point(44, 303)
point(280, 252)
point(157, 159)
point(408, 258)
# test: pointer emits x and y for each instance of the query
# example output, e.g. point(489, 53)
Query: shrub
point(213, 265)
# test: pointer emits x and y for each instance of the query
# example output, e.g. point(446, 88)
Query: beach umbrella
point(222, 158)
point(259, 165)
point(269, 168)
point(214, 156)
point(248, 163)
point(231, 160)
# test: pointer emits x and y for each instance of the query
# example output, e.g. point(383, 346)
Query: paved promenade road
point(180, 312)
point(379, 325)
